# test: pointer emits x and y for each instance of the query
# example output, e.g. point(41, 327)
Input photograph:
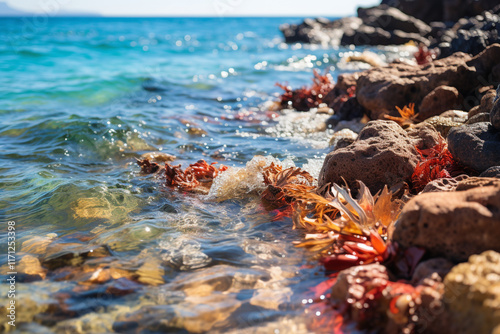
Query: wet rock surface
point(476, 146)
point(453, 225)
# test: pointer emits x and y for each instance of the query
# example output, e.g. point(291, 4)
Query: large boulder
point(472, 35)
point(453, 225)
point(383, 154)
point(441, 10)
point(380, 89)
point(390, 18)
point(476, 146)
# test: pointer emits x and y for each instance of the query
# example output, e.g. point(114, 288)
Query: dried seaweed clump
point(148, 167)
point(197, 176)
point(344, 231)
point(305, 98)
point(282, 182)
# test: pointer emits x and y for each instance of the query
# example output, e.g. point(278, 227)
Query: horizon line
point(90, 15)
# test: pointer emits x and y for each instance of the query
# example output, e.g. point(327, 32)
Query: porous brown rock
point(453, 225)
point(475, 182)
point(383, 154)
point(444, 184)
point(380, 89)
point(439, 100)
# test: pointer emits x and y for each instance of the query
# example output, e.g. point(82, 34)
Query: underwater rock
point(379, 90)
point(495, 111)
point(151, 272)
point(476, 146)
point(453, 225)
point(439, 100)
point(158, 156)
point(472, 295)
point(383, 154)
point(194, 315)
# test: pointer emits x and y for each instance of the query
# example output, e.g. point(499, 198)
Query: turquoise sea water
point(80, 99)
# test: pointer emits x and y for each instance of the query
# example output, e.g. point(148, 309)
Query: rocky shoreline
point(432, 137)
point(386, 25)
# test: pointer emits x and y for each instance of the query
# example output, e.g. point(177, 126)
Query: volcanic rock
point(441, 10)
point(439, 100)
point(453, 225)
point(491, 172)
point(476, 146)
point(390, 18)
point(383, 154)
point(380, 89)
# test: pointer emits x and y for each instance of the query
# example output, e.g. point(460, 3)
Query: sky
point(325, 8)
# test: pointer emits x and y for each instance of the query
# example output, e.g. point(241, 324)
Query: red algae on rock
point(305, 98)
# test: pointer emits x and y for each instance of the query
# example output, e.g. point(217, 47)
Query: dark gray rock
point(366, 35)
point(442, 10)
point(349, 110)
point(491, 172)
point(495, 111)
point(476, 146)
point(390, 18)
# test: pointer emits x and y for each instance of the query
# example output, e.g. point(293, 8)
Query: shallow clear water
point(80, 99)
